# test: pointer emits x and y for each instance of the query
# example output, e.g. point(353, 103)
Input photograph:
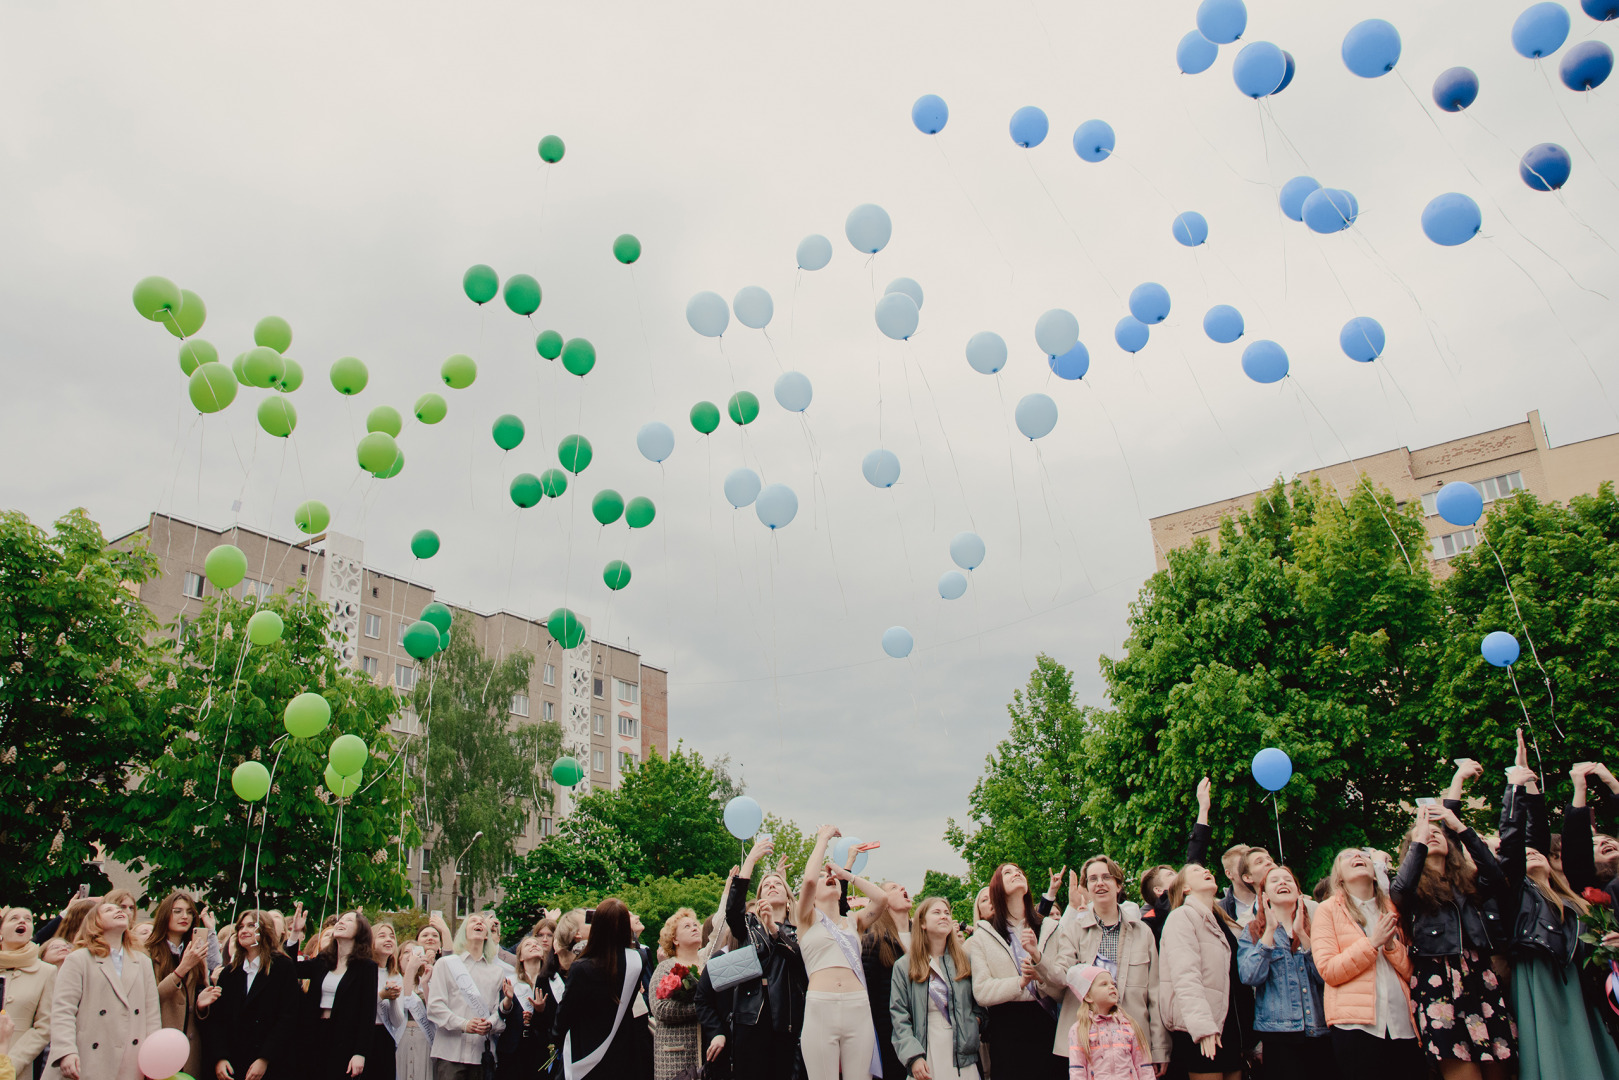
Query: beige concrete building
point(613, 709)
point(1499, 462)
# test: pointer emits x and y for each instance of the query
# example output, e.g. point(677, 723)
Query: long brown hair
point(882, 938)
point(1256, 925)
point(271, 950)
point(1177, 895)
point(163, 959)
point(68, 928)
point(360, 950)
point(998, 901)
point(920, 968)
point(609, 936)
point(1436, 887)
point(1340, 892)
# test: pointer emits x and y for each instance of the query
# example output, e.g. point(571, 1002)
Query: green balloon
point(424, 545)
point(250, 780)
point(480, 283)
point(384, 418)
point(443, 640)
point(195, 353)
point(566, 628)
point(189, 319)
point(264, 628)
point(567, 771)
point(263, 367)
point(616, 574)
point(212, 388)
point(157, 297)
point(349, 376)
point(294, 377)
point(508, 431)
point(421, 639)
point(377, 452)
point(277, 416)
point(574, 452)
point(306, 716)
point(395, 469)
point(430, 408)
point(342, 786)
point(551, 149)
point(439, 616)
point(273, 332)
point(743, 407)
point(312, 517)
point(639, 512)
point(626, 249)
point(607, 506)
point(548, 344)
point(522, 294)
point(459, 371)
point(705, 416)
point(225, 566)
point(238, 368)
point(527, 490)
point(348, 754)
point(578, 356)
point(553, 482)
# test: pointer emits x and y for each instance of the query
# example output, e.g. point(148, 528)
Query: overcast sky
point(341, 165)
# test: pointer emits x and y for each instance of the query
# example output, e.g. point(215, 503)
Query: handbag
point(737, 966)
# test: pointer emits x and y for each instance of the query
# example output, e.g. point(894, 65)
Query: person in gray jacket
point(931, 999)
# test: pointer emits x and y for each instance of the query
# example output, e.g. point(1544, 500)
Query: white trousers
point(837, 1035)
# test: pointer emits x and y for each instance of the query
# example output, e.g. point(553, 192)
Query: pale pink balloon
point(164, 1053)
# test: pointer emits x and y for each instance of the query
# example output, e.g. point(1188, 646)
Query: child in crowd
point(1104, 1043)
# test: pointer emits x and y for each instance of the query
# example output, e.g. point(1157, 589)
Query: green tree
point(958, 889)
point(654, 900)
point(485, 769)
point(792, 844)
point(585, 856)
point(222, 701)
point(76, 713)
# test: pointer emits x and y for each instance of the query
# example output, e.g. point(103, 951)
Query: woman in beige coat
point(105, 1003)
point(1197, 981)
point(29, 982)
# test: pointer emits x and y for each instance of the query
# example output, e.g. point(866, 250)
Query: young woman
point(883, 944)
point(1198, 981)
point(1005, 953)
point(838, 1031)
point(601, 1023)
point(105, 1002)
point(29, 984)
point(250, 1019)
point(932, 1014)
point(390, 1028)
point(767, 1012)
point(675, 1039)
point(1104, 1041)
point(463, 1002)
point(340, 1006)
point(525, 1039)
point(1274, 956)
point(1462, 1016)
point(179, 950)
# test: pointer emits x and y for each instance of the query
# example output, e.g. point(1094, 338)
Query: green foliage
point(654, 900)
point(76, 710)
point(792, 844)
point(584, 856)
point(960, 891)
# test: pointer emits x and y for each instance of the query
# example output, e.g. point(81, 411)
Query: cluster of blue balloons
point(1262, 69)
point(899, 309)
point(1219, 22)
point(1323, 209)
point(1093, 140)
point(775, 504)
point(967, 552)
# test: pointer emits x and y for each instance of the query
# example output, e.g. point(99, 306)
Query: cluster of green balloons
point(608, 506)
point(429, 634)
point(345, 767)
point(566, 628)
point(380, 455)
point(180, 311)
point(482, 284)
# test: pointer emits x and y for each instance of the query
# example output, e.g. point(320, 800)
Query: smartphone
point(438, 913)
point(84, 891)
point(2, 991)
point(590, 916)
point(1427, 802)
point(871, 845)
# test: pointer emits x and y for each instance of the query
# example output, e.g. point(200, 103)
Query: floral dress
point(1462, 1014)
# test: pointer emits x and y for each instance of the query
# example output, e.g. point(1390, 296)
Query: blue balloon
point(1029, 126)
point(1035, 416)
point(1259, 69)
point(1072, 364)
point(880, 468)
point(1222, 21)
point(1223, 323)
point(1371, 48)
point(967, 550)
point(1587, 65)
point(1545, 167)
point(1149, 303)
point(743, 817)
point(1455, 89)
point(1265, 362)
point(1196, 53)
point(930, 114)
point(1131, 334)
point(1093, 140)
point(1500, 648)
point(952, 585)
point(655, 441)
point(1287, 79)
point(1460, 503)
point(840, 854)
point(1294, 192)
point(1540, 30)
point(1601, 10)
point(1362, 339)
point(1330, 210)
point(741, 487)
point(1272, 769)
point(897, 642)
point(1190, 228)
point(1451, 219)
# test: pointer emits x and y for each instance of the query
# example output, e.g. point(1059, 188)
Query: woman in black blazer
point(340, 1006)
point(595, 1000)
point(250, 1018)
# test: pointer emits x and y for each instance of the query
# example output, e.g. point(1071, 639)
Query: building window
point(404, 625)
point(368, 664)
point(598, 724)
point(404, 676)
point(460, 901)
point(545, 826)
point(627, 761)
point(628, 691)
point(519, 704)
point(550, 675)
point(1454, 543)
point(425, 901)
point(598, 760)
point(1495, 487)
point(255, 592)
point(193, 586)
point(629, 726)
point(548, 710)
point(373, 626)
point(600, 690)
point(407, 722)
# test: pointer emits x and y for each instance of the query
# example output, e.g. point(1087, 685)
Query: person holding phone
point(601, 1023)
point(29, 983)
point(1274, 957)
point(768, 1011)
point(180, 947)
point(105, 1002)
point(250, 1018)
point(1005, 954)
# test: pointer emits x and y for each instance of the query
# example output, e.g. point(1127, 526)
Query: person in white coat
point(105, 1002)
point(463, 1003)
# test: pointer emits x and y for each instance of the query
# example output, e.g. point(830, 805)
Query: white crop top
point(328, 989)
point(820, 947)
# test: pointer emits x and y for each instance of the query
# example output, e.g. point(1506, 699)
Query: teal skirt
point(1559, 1036)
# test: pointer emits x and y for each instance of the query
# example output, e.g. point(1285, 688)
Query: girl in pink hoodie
point(1104, 1043)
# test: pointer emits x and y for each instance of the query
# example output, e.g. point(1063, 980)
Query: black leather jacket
point(1493, 906)
point(1539, 928)
point(785, 981)
point(1444, 930)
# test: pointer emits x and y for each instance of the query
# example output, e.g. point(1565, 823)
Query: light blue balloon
point(743, 817)
point(908, 286)
point(1035, 416)
point(952, 585)
point(898, 643)
point(1456, 88)
point(1149, 302)
point(1073, 364)
point(1265, 362)
point(1294, 192)
point(1190, 228)
point(1222, 21)
point(1460, 503)
point(1094, 140)
point(1056, 332)
point(814, 252)
point(1362, 339)
point(1545, 167)
point(1223, 323)
point(880, 468)
point(1371, 48)
point(708, 314)
point(794, 392)
point(1272, 769)
point(1259, 69)
point(840, 853)
point(741, 487)
point(753, 307)
point(1195, 54)
point(930, 114)
point(1500, 648)
point(1131, 334)
point(897, 316)
point(655, 440)
point(986, 352)
point(776, 506)
point(869, 228)
point(1330, 210)
point(1540, 30)
point(1029, 126)
point(1451, 219)
point(1586, 66)
point(967, 550)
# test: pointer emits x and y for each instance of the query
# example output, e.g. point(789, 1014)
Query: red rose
point(668, 985)
point(1597, 896)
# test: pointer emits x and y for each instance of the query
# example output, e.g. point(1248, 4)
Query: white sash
point(468, 988)
point(418, 1012)
point(385, 1012)
point(558, 988)
point(577, 1070)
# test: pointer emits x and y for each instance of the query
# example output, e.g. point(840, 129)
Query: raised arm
point(1514, 820)
point(804, 910)
point(1466, 769)
point(876, 899)
point(1197, 845)
point(1404, 887)
point(1579, 861)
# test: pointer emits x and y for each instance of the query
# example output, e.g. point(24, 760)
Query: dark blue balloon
point(1222, 21)
point(1545, 167)
point(1223, 323)
point(1131, 334)
point(1371, 48)
point(1330, 210)
point(1259, 69)
point(1149, 302)
point(929, 114)
point(1190, 228)
point(1451, 219)
point(1029, 127)
point(1093, 140)
point(1601, 10)
point(1460, 503)
point(1500, 648)
point(1294, 192)
point(1072, 364)
point(1196, 53)
point(1288, 78)
point(1455, 89)
point(1540, 30)
point(1362, 339)
point(1587, 65)
point(1265, 362)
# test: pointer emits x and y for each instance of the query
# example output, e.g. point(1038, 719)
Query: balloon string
point(775, 667)
point(713, 536)
point(241, 874)
point(1128, 472)
point(236, 678)
point(1029, 161)
point(1276, 805)
point(938, 418)
point(1219, 426)
point(933, 502)
point(1524, 625)
point(822, 500)
point(1556, 100)
point(773, 355)
point(264, 824)
point(1045, 497)
point(899, 525)
point(1534, 737)
point(951, 169)
point(1017, 501)
point(330, 863)
point(1217, 153)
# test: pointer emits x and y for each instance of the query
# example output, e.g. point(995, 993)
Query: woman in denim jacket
point(1273, 956)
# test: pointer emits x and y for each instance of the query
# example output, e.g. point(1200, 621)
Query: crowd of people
point(1465, 956)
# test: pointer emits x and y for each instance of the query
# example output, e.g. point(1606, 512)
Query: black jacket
point(246, 1025)
point(1446, 929)
point(714, 1021)
point(1494, 906)
point(523, 1044)
point(354, 1010)
point(1539, 928)
point(879, 993)
point(1579, 860)
point(785, 981)
point(587, 1012)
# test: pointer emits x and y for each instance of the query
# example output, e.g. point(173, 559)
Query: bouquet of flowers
point(1600, 922)
point(680, 984)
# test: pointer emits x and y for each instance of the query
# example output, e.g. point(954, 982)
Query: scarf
point(19, 959)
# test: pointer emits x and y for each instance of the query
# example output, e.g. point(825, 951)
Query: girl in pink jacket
point(1104, 1043)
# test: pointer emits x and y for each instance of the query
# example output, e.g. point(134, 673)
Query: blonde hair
point(567, 931)
point(1081, 1037)
point(920, 969)
point(1338, 890)
point(89, 935)
point(666, 935)
point(490, 950)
